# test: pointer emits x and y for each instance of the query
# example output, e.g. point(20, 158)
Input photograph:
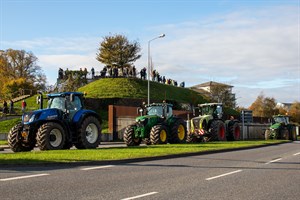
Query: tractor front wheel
point(158, 134)
point(51, 136)
point(129, 138)
point(15, 140)
point(89, 134)
point(218, 130)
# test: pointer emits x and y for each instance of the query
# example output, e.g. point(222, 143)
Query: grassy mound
point(138, 89)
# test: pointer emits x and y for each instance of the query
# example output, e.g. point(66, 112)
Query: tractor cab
point(161, 110)
point(281, 119)
point(212, 109)
point(68, 103)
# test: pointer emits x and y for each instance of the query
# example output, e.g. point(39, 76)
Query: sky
point(252, 45)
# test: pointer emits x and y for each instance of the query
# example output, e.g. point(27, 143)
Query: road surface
point(271, 172)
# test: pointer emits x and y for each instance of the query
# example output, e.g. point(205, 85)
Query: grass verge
point(119, 153)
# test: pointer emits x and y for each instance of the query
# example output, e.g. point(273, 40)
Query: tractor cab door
point(219, 112)
point(73, 104)
point(168, 111)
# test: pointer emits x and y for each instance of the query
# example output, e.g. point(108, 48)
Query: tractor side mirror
point(40, 100)
point(140, 111)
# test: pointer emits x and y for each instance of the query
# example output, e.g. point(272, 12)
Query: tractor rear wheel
point(158, 134)
point(89, 134)
point(15, 140)
point(51, 136)
point(284, 134)
point(178, 132)
point(129, 138)
point(293, 134)
point(234, 132)
point(218, 130)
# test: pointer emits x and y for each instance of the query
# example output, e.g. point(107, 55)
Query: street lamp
point(160, 36)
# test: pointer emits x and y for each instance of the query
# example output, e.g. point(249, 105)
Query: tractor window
point(281, 120)
point(206, 110)
point(76, 104)
point(169, 112)
point(57, 102)
point(219, 112)
point(155, 110)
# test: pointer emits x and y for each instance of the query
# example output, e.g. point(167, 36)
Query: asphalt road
point(271, 172)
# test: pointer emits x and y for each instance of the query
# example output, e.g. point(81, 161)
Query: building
point(219, 92)
point(285, 106)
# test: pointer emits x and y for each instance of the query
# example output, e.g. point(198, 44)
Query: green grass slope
point(137, 88)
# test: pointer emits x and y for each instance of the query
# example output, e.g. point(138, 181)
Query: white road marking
point(98, 167)
point(22, 177)
point(139, 196)
point(211, 178)
point(296, 154)
point(272, 161)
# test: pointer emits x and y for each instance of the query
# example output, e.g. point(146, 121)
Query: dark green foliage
point(117, 51)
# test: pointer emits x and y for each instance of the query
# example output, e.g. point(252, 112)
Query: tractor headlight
point(140, 120)
point(32, 118)
point(26, 117)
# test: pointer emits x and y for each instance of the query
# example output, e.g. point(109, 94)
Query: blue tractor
point(61, 125)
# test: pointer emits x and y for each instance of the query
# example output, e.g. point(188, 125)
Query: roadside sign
point(247, 116)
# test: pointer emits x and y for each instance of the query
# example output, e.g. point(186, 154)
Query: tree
point(18, 70)
point(294, 112)
point(263, 106)
point(117, 51)
point(222, 94)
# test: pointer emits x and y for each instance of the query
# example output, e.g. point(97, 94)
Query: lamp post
point(160, 36)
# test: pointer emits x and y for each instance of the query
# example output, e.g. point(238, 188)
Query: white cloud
point(253, 50)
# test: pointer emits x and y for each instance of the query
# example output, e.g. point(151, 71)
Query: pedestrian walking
point(93, 72)
point(5, 108)
point(24, 106)
point(11, 107)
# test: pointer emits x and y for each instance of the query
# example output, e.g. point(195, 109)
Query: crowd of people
point(6, 109)
point(116, 72)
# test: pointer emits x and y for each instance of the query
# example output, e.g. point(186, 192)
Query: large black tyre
point(15, 140)
point(178, 132)
point(129, 138)
point(89, 134)
point(147, 141)
point(234, 132)
point(51, 136)
point(293, 134)
point(191, 138)
point(268, 134)
point(158, 134)
point(284, 134)
point(218, 130)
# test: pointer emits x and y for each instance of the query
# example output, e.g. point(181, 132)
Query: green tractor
point(281, 128)
point(156, 125)
point(209, 125)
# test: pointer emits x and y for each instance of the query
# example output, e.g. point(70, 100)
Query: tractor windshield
point(57, 102)
point(281, 119)
point(63, 103)
point(155, 110)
